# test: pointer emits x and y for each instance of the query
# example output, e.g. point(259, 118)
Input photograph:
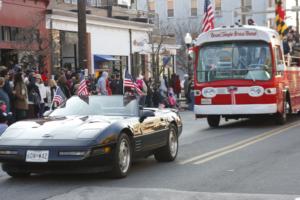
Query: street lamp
point(188, 41)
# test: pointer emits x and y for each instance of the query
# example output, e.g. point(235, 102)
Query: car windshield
point(98, 105)
point(237, 60)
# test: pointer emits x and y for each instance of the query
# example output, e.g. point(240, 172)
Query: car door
point(153, 135)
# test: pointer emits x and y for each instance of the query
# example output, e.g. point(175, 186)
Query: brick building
point(23, 34)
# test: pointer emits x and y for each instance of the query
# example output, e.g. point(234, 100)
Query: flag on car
point(59, 97)
point(82, 88)
point(280, 16)
point(129, 83)
point(82, 91)
point(208, 19)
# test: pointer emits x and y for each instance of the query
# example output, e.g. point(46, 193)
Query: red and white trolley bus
point(240, 72)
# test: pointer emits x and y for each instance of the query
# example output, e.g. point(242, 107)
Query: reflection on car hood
point(71, 127)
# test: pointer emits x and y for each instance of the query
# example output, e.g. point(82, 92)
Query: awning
point(103, 58)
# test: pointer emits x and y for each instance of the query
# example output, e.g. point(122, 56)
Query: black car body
point(105, 133)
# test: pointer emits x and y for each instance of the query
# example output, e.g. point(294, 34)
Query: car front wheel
point(18, 174)
point(122, 157)
point(169, 152)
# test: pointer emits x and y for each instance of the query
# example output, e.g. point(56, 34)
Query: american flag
point(128, 82)
point(82, 89)
point(59, 96)
point(208, 19)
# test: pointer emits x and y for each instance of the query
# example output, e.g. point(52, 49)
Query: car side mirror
point(47, 113)
point(145, 114)
point(280, 67)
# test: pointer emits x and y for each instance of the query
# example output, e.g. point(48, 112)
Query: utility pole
point(82, 40)
point(243, 11)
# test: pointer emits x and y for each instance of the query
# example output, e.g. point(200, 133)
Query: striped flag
point(280, 16)
point(59, 97)
point(129, 83)
point(82, 89)
point(208, 19)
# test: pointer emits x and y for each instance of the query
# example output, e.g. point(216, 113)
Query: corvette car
point(101, 133)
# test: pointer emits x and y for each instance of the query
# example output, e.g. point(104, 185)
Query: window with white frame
point(218, 5)
point(247, 4)
point(94, 3)
point(170, 8)
point(151, 6)
point(271, 3)
point(194, 8)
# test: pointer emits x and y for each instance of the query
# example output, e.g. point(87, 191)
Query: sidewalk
point(103, 193)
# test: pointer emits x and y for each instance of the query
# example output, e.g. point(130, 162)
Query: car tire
point(122, 157)
point(213, 120)
point(169, 152)
point(18, 174)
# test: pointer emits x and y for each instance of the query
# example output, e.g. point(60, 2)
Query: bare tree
point(179, 29)
point(33, 44)
point(157, 41)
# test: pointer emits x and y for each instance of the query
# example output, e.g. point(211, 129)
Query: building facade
point(227, 12)
point(115, 38)
point(23, 34)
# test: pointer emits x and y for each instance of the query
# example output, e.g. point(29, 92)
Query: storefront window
point(6, 33)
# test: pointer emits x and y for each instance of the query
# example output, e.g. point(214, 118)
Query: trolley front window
point(237, 60)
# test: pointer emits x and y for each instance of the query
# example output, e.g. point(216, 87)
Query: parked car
point(103, 133)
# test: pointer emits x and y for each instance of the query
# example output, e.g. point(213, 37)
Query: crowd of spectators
point(29, 93)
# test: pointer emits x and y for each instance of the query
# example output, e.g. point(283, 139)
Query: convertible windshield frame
point(97, 105)
point(236, 60)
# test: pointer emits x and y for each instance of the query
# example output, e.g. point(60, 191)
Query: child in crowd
point(3, 119)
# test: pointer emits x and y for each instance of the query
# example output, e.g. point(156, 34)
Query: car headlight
point(209, 92)
point(88, 134)
point(256, 91)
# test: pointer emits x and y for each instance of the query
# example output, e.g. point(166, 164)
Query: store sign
point(233, 33)
point(124, 2)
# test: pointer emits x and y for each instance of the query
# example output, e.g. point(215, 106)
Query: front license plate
point(37, 156)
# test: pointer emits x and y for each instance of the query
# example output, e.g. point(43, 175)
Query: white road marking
point(199, 159)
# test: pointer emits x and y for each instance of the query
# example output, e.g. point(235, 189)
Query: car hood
point(71, 127)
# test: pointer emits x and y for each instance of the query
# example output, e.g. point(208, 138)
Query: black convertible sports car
point(104, 134)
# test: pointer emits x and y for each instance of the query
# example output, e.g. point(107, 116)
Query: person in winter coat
point(4, 96)
point(62, 84)
point(21, 96)
point(177, 86)
point(143, 87)
point(187, 80)
point(43, 93)
point(34, 95)
point(102, 84)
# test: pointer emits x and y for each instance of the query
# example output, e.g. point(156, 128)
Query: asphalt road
point(240, 160)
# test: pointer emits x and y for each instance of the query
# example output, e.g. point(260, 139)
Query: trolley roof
point(239, 33)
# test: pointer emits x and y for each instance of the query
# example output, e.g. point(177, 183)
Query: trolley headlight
point(256, 91)
point(209, 92)
point(270, 91)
